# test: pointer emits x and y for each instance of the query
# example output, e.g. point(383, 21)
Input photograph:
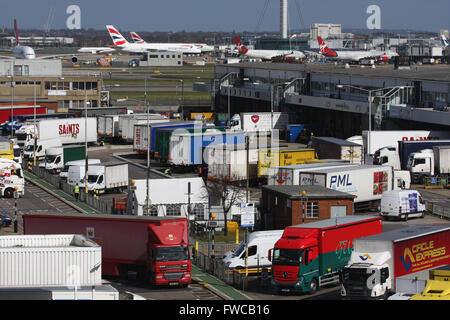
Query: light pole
point(148, 146)
point(85, 143)
point(34, 131)
point(12, 104)
point(304, 200)
point(370, 99)
point(182, 99)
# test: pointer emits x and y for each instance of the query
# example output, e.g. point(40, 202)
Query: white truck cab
point(259, 244)
point(65, 172)
point(387, 156)
point(41, 146)
point(53, 159)
point(421, 165)
point(11, 176)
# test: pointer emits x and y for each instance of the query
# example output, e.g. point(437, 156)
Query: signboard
point(423, 253)
point(57, 92)
point(247, 215)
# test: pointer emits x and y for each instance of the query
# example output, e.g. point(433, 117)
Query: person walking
point(76, 191)
point(168, 171)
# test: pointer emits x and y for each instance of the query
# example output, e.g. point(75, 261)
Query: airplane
point(26, 52)
point(202, 46)
point(355, 55)
point(444, 41)
point(142, 47)
point(267, 54)
point(96, 50)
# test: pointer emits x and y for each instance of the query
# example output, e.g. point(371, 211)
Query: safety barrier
point(442, 212)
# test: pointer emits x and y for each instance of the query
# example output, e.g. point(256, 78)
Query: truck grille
point(173, 275)
point(285, 276)
point(357, 291)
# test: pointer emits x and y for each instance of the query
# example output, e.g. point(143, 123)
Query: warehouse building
point(283, 206)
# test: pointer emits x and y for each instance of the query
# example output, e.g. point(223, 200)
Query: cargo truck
point(5, 113)
point(390, 138)
point(40, 148)
point(311, 255)
point(187, 149)
point(429, 163)
point(68, 130)
point(74, 171)
point(127, 123)
point(378, 260)
point(229, 162)
point(366, 182)
point(107, 176)
point(334, 148)
point(259, 121)
point(153, 246)
point(140, 140)
point(11, 178)
point(108, 126)
point(274, 157)
point(160, 149)
point(290, 175)
point(398, 157)
point(57, 157)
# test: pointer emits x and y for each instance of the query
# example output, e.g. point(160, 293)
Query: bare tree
point(222, 193)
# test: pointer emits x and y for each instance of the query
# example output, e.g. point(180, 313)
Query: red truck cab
point(168, 260)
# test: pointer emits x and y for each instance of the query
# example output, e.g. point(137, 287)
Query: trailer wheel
point(405, 218)
point(422, 215)
point(313, 287)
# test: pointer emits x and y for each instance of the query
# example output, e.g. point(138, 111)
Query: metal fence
point(100, 205)
point(442, 212)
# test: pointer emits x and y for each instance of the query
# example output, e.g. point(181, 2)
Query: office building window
point(312, 210)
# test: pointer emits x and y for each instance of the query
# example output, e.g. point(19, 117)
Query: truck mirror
point(269, 255)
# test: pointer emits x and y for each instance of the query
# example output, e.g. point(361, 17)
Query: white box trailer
point(49, 260)
point(168, 197)
point(366, 182)
point(68, 130)
point(290, 175)
point(334, 148)
point(101, 292)
point(229, 162)
point(260, 121)
point(390, 138)
point(127, 122)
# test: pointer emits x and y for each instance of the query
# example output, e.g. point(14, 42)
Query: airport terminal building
point(337, 97)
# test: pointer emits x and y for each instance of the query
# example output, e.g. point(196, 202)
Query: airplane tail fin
point(444, 41)
point(16, 31)
point(240, 46)
point(116, 37)
point(324, 48)
point(136, 38)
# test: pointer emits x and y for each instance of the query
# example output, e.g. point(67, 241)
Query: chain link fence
point(441, 211)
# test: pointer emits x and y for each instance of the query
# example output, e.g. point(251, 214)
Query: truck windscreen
point(172, 253)
point(357, 275)
point(287, 257)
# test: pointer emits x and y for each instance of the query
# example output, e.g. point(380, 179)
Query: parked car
point(5, 221)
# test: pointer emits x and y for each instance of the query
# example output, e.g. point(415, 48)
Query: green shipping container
point(162, 139)
point(72, 153)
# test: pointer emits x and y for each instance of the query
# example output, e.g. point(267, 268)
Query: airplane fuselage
point(24, 52)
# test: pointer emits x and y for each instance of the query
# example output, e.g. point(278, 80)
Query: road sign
point(247, 215)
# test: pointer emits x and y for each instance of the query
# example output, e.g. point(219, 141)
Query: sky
point(226, 15)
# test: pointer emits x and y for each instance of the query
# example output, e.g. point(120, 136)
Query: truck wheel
point(422, 179)
point(9, 193)
point(313, 287)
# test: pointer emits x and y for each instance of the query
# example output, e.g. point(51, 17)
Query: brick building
point(282, 206)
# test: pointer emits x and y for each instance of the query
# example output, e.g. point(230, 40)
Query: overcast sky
point(226, 15)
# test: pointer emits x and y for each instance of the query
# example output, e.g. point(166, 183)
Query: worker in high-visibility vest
point(76, 191)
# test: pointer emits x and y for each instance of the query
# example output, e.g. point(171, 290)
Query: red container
point(139, 243)
point(5, 112)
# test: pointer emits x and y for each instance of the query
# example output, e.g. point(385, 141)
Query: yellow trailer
point(6, 148)
point(438, 287)
point(282, 157)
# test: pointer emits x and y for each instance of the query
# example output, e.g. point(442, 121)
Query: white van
point(41, 146)
point(402, 204)
point(65, 171)
point(259, 244)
